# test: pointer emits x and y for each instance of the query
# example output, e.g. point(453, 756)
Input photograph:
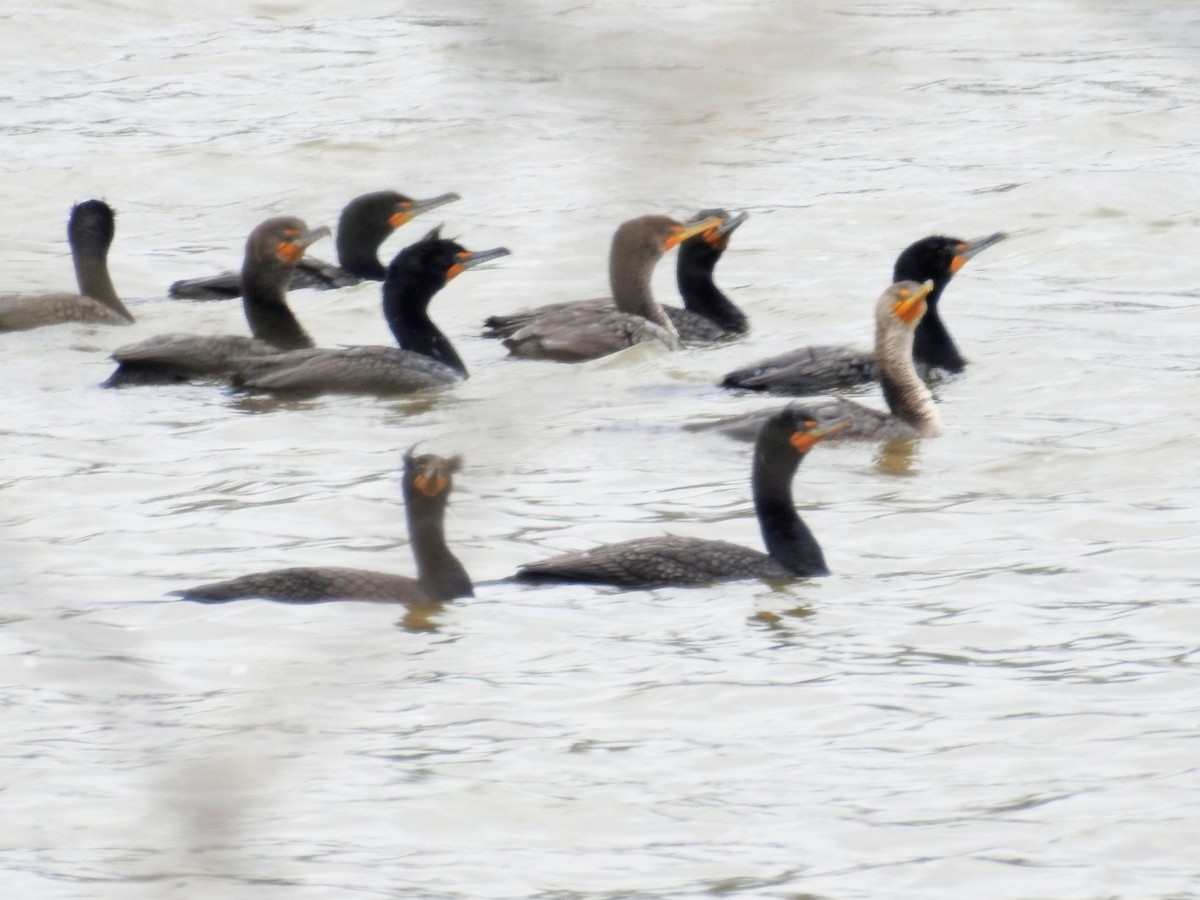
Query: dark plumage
point(792, 551)
point(365, 223)
point(574, 332)
point(425, 357)
point(815, 370)
point(911, 410)
point(428, 480)
point(707, 315)
point(90, 231)
point(272, 251)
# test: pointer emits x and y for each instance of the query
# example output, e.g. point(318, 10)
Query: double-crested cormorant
point(912, 412)
point(272, 251)
point(440, 576)
point(792, 551)
point(815, 370)
point(707, 314)
point(574, 332)
point(90, 232)
point(425, 357)
point(365, 223)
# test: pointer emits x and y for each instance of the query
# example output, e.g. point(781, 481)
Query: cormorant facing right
point(792, 551)
point(272, 251)
point(365, 223)
point(815, 370)
point(575, 332)
point(425, 357)
point(707, 315)
point(911, 410)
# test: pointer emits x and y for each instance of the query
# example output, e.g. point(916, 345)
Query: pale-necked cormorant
point(912, 412)
point(707, 315)
point(90, 233)
point(272, 251)
point(425, 357)
point(365, 223)
point(440, 576)
point(815, 370)
point(792, 551)
point(574, 332)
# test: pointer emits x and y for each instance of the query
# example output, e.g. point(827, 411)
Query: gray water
point(996, 693)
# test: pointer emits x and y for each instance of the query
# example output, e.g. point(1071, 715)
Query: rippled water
point(995, 694)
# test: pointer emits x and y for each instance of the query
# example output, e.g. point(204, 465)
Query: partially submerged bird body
point(365, 223)
point(581, 334)
point(575, 332)
point(707, 315)
point(379, 371)
point(425, 358)
point(792, 551)
point(272, 251)
point(657, 562)
point(817, 370)
point(310, 585)
point(90, 232)
point(428, 480)
point(911, 411)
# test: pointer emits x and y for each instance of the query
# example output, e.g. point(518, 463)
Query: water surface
point(995, 693)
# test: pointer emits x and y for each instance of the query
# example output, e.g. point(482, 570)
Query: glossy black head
point(938, 258)
point(91, 226)
point(424, 268)
point(704, 249)
point(799, 427)
point(372, 213)
point(382, 212)
point(368, 220)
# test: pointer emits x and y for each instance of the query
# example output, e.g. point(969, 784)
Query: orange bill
point(682, 232)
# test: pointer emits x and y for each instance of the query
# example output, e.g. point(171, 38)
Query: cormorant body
point(707, 315)
point(575, 332)
point(428, 480)
point(272, 251)
point(425, 357)
point(817, 370)
point(90, 231)
point(911, 410)
point(792, 551)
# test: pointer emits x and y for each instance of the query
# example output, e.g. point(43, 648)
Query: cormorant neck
point(702, 296)
point(788, 540)
point(91, 274)
point(440, 574)
point(932, 345)
point(358, 254)
point(630, 284)
point(265, 304)
point(907, 396)
point(406, 308)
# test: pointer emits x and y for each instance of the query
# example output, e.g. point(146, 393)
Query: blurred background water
point(996, 693)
